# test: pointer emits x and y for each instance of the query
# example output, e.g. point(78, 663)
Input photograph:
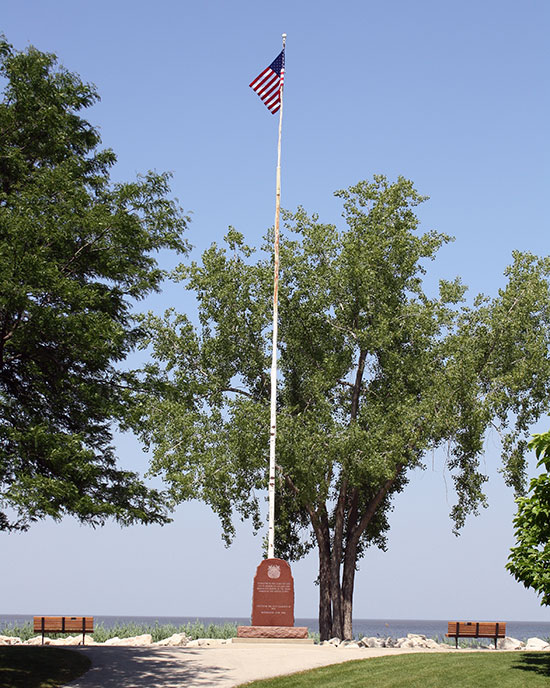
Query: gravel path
point(220, 667)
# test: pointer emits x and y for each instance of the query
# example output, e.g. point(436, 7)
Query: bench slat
point(60, 624)
point(474, 629)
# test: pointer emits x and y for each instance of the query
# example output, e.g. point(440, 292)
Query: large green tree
point(373, 374)
point(529, 560)
point(76, 251)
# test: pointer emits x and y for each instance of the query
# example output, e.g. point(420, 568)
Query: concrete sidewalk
point(221, 667)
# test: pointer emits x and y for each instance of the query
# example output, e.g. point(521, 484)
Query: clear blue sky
point(451, 95)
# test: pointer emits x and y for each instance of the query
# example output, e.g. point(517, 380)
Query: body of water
point(397, 628)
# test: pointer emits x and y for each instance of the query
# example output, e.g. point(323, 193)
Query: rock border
point(412, 641)
point(421, 642)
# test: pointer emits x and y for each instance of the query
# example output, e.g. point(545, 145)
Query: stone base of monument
point(273, 632)
point(273, 641)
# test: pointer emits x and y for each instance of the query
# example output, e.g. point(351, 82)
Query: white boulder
point(68, 640)
point(373, 641)
point(73, 640)
point(415, 641)
point(405, 643)
point(509, 644)
point(9, 640)
point(537, 644)
point(207, 642)
point(176, 640)
point(431, 644)
point(61, 641)
point(135, 641)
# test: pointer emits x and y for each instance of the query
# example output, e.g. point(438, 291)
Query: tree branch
point(372, 507)
point(238, 391)
point(346, 383)
point(83, 248)
point(357, 385)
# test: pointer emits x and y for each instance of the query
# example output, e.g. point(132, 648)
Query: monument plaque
point(273, 594)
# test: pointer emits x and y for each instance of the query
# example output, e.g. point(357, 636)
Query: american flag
point(268, 85)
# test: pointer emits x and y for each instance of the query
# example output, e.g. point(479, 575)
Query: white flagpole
point(273, 421)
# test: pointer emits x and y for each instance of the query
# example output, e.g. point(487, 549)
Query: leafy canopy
point(76, 251)
point(373, 371)
point(529, 560)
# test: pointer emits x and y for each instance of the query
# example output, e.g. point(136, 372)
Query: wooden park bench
point(476, 629)
point(64, 624)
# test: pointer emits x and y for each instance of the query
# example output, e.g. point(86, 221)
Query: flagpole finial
point(284, 38)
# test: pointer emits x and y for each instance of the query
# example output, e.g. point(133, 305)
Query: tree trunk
point(354, 532)
point(348, 581)
point(336, 583)
point(335, 596)
point(336, 599)
point(336, 565)
point(325, 602)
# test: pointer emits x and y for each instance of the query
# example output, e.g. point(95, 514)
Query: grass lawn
point(39, 667)
point(460, 670)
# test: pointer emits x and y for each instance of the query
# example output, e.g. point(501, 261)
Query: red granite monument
point(273, 603)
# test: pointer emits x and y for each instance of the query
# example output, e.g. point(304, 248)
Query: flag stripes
point(269, 84)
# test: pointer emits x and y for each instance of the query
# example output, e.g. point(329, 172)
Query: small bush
point(25, 632)
point(158, 632)
point(465, 643)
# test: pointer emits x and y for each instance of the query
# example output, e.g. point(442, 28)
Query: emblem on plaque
point(273, 571)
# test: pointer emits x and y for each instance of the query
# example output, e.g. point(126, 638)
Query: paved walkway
point(220, 667)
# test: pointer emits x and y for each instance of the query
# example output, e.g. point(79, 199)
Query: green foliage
point(460, 670)
point(434, 369)
point(158, 631)
point(24, 632)
point(373, 373)
point(193, 630)
point(75, 251)
point(199, 630)
point(529, 560)
point(466, 643)
point(40, 667)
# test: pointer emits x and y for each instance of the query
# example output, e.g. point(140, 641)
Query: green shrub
point(25, 632)
point(158, 632)
point(193, 630)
